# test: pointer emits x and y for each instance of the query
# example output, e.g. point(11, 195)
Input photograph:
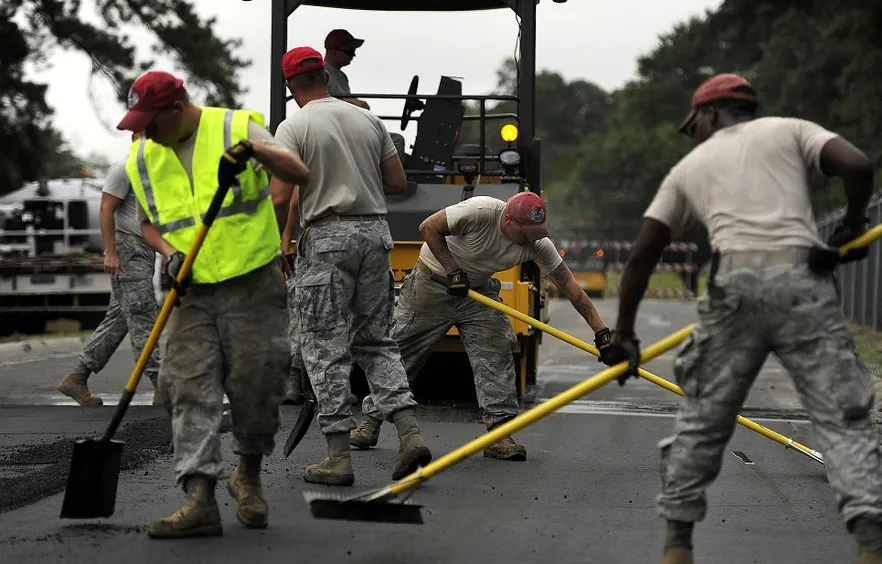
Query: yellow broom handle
point(538, 412)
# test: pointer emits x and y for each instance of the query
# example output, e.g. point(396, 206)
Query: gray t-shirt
point(749, 184)
point(126, 214)
point(343, 146)
point(479, 246)
point(338, 82)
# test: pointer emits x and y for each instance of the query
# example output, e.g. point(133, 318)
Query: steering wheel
point(413, 103)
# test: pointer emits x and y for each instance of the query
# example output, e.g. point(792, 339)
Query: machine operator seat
point(437, 133)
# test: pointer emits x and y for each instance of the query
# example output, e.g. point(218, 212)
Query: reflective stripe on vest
point(238, 206)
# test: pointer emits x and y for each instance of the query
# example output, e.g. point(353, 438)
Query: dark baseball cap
point(299, 60)
point(723, 86)
point(342, 39)
point(148, 95)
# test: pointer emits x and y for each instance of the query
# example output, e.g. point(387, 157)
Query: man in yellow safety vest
point(228, 334)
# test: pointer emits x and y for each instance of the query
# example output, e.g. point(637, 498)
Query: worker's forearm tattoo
point(563, 279)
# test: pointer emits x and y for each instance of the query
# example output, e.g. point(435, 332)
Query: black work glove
point(624, 347)
point(171, 267)
point(602, 340)
point(458, 284)
point(844, 234)
point(234, 161)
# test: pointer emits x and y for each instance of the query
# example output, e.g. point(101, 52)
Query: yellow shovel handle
point(538, 412)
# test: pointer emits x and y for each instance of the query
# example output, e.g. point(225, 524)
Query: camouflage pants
point(345, 296)
point(226, 337)
point(132, 309)
point(426, 312)
point(787, 310)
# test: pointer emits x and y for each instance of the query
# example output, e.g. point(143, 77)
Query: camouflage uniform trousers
point(132, 308)
point(345, 295)
point(226, 337)
point(761, 305)
point(426, 312)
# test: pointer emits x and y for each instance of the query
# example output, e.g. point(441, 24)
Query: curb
point(20, 350)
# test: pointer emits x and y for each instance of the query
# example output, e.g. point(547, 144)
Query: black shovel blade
point(307, 412)
point(93, 479)
point(329, 506)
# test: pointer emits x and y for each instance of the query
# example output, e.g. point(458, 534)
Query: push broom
point(376, 505)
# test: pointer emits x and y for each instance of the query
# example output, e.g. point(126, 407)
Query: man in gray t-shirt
point(133, 309)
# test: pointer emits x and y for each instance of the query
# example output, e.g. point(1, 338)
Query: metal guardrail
point(859, 282)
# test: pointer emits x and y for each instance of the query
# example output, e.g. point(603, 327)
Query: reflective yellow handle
point(536, 413)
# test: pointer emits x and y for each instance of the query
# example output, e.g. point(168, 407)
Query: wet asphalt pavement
point(585, 494)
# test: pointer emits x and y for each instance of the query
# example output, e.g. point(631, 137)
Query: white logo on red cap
point(133, 98)
point(537, 215)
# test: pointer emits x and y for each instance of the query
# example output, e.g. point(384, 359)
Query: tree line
point(605, 153)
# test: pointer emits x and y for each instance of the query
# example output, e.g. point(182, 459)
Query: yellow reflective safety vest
point(245, 234)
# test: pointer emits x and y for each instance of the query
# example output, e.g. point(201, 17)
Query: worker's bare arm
point(651, 241)
point(281, 194)
point(563, 279)
point(357, 102)
point(394, 179)
point(291, 223)
point(282, 164)
point(152, 235)
point(841, 158)
point(434, 230)
point(109, 204)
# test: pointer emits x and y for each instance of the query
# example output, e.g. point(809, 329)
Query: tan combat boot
point(869, 558)
point(412, 450)
point(336, 468)
point(676, 555)
point(244, 486)
point(505, 449)
point(366, 434)
point(74, 386)
point(197, 517)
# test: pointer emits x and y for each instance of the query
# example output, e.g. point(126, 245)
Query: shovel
point(375, 505)
point(95, 464)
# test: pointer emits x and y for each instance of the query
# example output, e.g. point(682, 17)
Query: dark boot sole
point(346, 480)
point(518, 457)
point(420, 456)
point(362, 446)
point(209, 531)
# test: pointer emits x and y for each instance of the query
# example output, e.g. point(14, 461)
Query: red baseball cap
point(148, 95)
point(342, 39)
point(718, 87)
point(528, 209)
point(299, 60)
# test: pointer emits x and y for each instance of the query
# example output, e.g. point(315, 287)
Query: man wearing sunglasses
point(771, 289)
point(340, 48)
point(468, 243)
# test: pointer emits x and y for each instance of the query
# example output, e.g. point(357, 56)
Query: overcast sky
point(595, 40)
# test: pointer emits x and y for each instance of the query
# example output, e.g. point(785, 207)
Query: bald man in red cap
point(771, 289)
point(468, 243)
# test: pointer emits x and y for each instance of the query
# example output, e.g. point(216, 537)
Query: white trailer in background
point(51, 256)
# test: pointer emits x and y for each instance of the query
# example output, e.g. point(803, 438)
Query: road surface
point(585, 494)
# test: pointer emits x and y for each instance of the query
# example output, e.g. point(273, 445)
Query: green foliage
point(604, 154)
point(33, 148)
